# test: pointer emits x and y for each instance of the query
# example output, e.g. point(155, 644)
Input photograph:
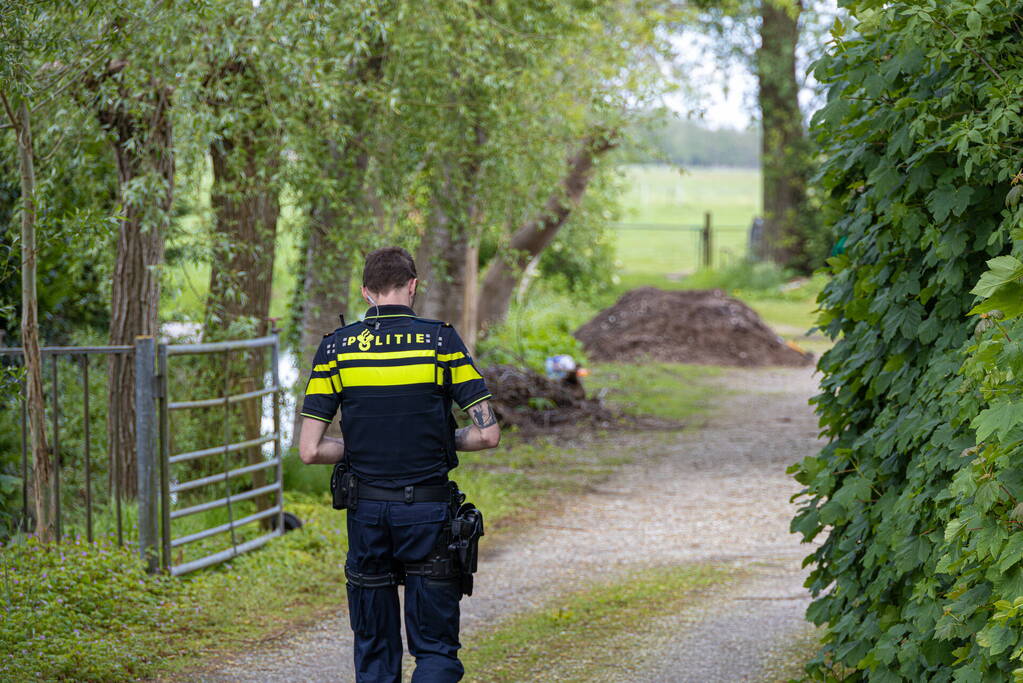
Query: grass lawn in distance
point(659, 196)
point(186, 279)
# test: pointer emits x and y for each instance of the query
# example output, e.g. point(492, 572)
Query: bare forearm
point(470, 439)
point(329, 451)
point(315, 447)
point(483, 433)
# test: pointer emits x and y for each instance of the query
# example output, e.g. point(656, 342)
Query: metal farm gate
point(168, 496)
point(157, 465)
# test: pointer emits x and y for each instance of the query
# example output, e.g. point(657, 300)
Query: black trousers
point(382, 536)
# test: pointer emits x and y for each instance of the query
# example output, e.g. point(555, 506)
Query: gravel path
point(714, 494)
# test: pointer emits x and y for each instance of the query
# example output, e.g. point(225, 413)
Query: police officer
point(394, 376)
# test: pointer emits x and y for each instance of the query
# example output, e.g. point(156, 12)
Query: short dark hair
point(388, 269)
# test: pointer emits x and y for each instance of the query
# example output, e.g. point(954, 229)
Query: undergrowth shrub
point(89, 612)
point(79, 612)
point(534, 330)
point(919, 575)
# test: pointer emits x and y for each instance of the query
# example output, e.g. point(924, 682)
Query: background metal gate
point(180, 498)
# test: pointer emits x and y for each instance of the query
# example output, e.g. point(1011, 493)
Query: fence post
point(706, 241)
point(145, 449)
point(164, 455)
point(275, 377)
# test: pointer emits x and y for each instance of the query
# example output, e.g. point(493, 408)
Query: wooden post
point(470, 297)
point(706, 242)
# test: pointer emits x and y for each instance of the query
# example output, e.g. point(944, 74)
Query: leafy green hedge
point(919, 575)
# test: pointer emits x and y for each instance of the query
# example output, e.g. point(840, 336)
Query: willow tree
point(42, 56)
point(130, 95)
point(345, 168)
point(785, 149)
point(519, 93)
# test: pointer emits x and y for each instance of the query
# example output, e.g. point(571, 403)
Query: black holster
point(466, 530)
point(344, 487)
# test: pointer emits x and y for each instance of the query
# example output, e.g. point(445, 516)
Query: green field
point(665, 197)
point(659, 196)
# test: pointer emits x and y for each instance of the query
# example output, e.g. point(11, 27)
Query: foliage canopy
point(919, 576)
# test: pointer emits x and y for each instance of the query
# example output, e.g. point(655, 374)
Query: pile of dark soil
point(705, 327)
point(531, 401)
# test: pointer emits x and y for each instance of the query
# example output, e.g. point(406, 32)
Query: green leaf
point(997, 639)
point(997, 419)
point(1011, 554)
point(1001, 270)
point(1008, 299)
point(973, 21)
point(1013, 195)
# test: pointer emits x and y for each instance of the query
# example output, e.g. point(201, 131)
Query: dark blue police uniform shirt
point(394, 385)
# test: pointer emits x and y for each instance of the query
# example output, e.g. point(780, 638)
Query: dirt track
point(715, 494)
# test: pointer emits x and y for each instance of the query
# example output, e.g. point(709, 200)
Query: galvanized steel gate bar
point(159, 512)
point(82, 353)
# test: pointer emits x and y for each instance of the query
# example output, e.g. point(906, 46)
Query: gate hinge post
point(145, 449)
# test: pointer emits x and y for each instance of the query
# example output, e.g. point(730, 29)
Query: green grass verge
point(76, 611)
point(668, 390)
point(82, 612)
point(578, 634)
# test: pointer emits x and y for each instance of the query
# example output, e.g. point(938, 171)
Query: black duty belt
point(438, 493)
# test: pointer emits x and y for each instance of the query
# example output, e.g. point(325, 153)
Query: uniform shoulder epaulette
point(343, 326)
point(433, 322)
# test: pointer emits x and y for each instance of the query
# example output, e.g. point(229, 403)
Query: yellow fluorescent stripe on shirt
point(464, 373)
point(445, 357)
point(480, 399)
point(327, 367)
point(317, 417)
point(322, 385)
point(384, 355)
point(384, 376)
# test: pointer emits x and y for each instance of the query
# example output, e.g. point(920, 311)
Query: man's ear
point(365, 293)
point(413, 284)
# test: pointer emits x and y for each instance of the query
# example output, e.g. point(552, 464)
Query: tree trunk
point(440, 262)
point(245, 202)
point(451, 238)
point(241, 274)
point(143, 146)
point(533, 237)
point(471, 297)
point(327, 281)
point(245, 230)
point(334, 220)
point(43, 497)
point(784, 149)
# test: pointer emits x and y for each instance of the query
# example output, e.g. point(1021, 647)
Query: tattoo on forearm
point(483, 415)
point(461, 437)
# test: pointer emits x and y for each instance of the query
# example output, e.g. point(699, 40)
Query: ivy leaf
point(903, 319)
point(1001, 270)
point(1012, 553)
point(944, 201)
